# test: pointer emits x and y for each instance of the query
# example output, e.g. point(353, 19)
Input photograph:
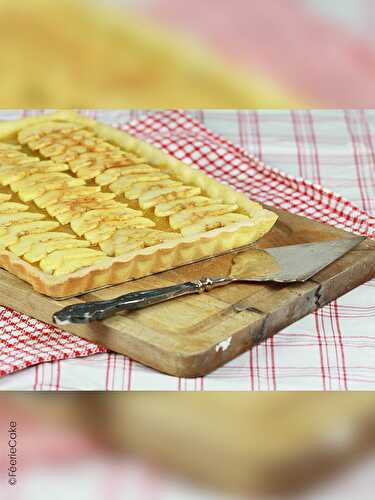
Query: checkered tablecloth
point(330, 349)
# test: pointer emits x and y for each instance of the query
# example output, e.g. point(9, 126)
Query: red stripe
point(332, 314)
point(369, 143)
point(310, 121)
point(36, 379)
point(341, 343)
point(326, 350)
point(114, 370)
point(107, 374)
point(58, 379)
point(357, 158)
point(130, 365)
point(251, 367)
point(270, 342)
point(316, 163)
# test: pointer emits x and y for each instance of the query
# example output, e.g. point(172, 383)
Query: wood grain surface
point(191, 336)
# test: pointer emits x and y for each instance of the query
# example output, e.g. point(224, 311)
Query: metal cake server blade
point(301, 262)
point(287, 264)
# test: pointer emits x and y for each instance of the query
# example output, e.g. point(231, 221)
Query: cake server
point(286, 264)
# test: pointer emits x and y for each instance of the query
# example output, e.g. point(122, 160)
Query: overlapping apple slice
point(139, 188)
point(58, 136)
point(9, 234)
point(189, 216)
point(8, 219)
point(123, 184)
point(35, 247)
point(20, 229)
point(33, 134)
point(66, 211)
point(94, 218)
point(25, 243)
point(96, 215)
point(127, 240)
point(69, 260)
point(213, 222)
point(65, 194)
point(11, 154)
point(9, 174)
point(12, 207)
point(72, 153)
point(41, 250)
point(5, 197)
point(112, 174)
point(155, 196)
point(107, 230)
point(172, 207)
point(13, 219)
point(9, 150)
point(35, 185)
point(87, 154)
point(90, 165)
point(27, 235)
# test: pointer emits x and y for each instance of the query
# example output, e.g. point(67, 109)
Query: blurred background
point(223, 446)
point(163, 53)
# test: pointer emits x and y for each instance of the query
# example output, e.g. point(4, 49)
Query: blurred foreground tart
point(76, 53)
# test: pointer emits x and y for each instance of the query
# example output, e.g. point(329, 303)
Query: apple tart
point(84, 206)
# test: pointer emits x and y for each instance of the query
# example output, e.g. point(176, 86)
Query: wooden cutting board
point(191, 336)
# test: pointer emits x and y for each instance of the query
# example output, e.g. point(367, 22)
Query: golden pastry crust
point(125, 209)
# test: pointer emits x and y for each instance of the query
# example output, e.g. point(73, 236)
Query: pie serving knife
point(287, 264)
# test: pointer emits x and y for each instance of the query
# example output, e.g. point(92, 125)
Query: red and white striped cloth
point(330, 349)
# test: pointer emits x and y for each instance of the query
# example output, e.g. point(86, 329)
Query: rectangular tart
point(84, 206)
